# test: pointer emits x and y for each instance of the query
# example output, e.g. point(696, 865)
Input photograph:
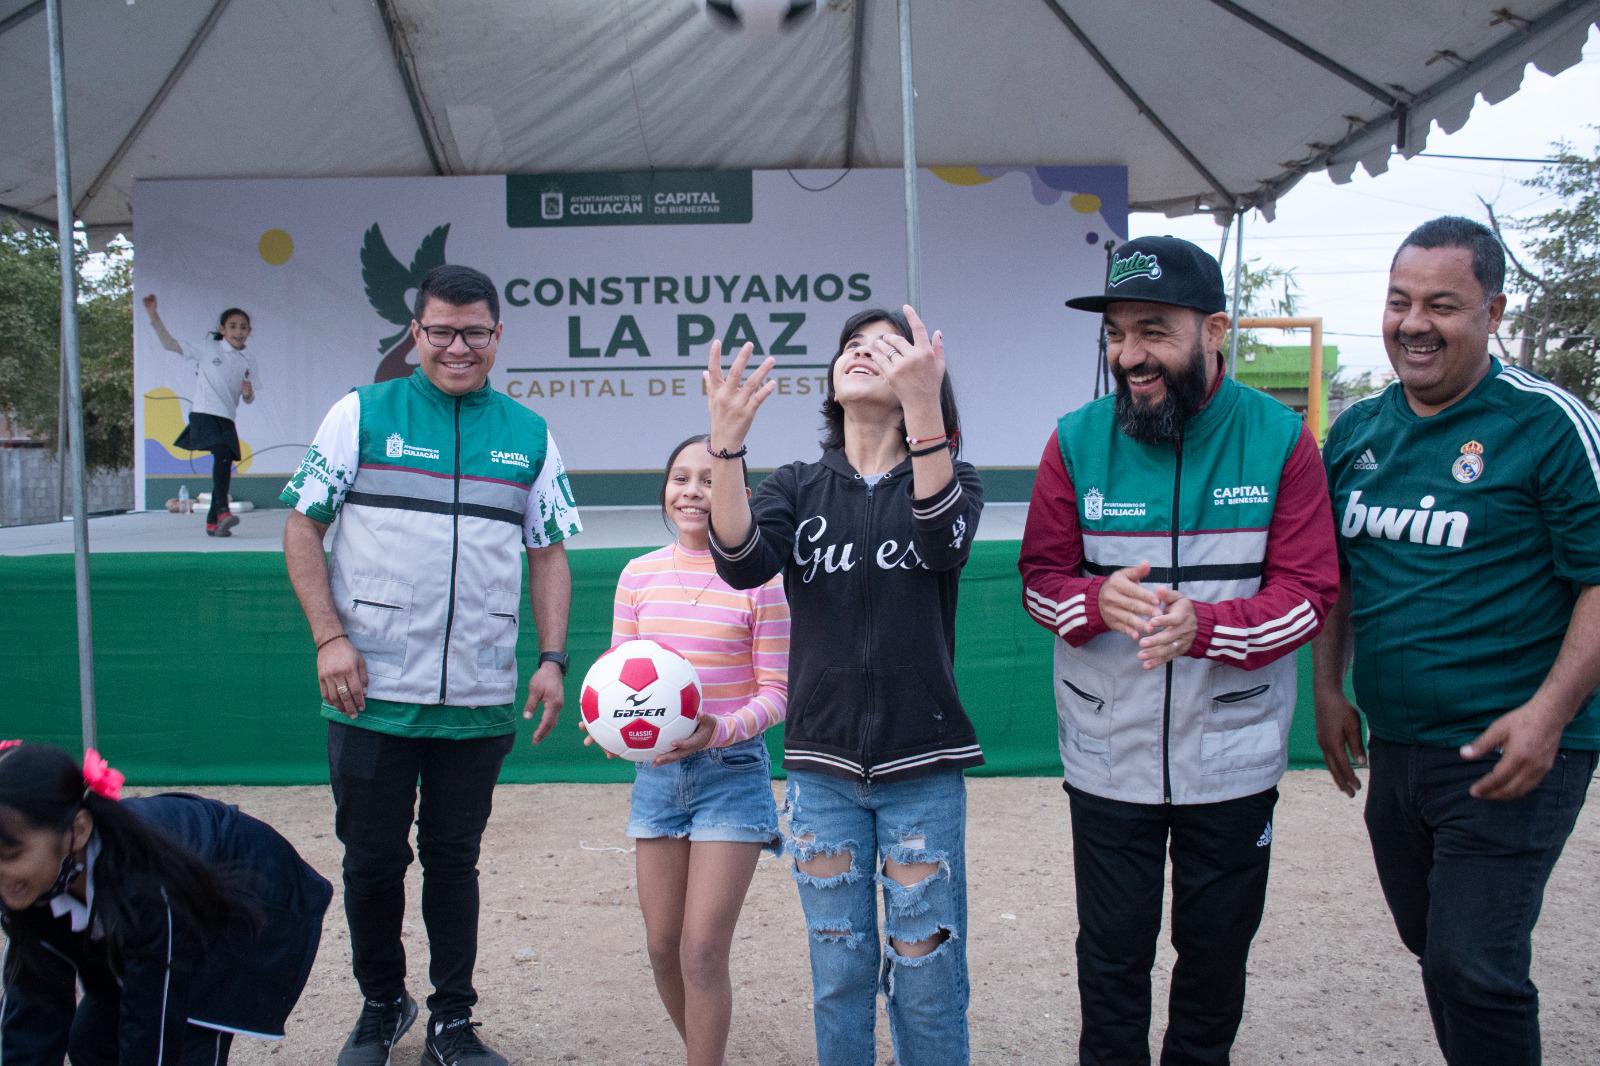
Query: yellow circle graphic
point(276, 247)
point(1085, 203)
point(960, 175)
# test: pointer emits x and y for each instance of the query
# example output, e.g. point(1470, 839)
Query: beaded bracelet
point(723, 453)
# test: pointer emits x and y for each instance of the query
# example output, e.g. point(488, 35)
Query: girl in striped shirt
point(703, 811)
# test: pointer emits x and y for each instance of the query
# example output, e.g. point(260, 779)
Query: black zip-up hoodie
point(871, 575)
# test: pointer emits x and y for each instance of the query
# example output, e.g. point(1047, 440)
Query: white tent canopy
point(1212, 104)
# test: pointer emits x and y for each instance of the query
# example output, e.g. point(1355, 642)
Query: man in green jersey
point(1467, 501)
point(444, 489)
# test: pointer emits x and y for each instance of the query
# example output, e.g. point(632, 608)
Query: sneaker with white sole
point(453, 1041)
point(381, 1025)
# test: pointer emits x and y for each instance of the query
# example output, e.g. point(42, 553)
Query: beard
point(1162, 422)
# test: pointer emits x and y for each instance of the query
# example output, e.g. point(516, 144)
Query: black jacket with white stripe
point(167, 980)
point(871, 574)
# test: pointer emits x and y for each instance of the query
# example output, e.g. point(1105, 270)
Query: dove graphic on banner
point(388, 283)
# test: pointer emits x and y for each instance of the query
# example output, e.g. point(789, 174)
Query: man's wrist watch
point(560, 658)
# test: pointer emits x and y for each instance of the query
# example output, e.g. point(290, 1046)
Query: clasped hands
point(1160, 620)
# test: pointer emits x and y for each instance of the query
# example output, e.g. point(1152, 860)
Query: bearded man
point(1179, 545)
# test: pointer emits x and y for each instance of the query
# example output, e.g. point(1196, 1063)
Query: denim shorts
point(715, 794)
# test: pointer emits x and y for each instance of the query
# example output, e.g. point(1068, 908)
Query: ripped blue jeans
point(923, 820)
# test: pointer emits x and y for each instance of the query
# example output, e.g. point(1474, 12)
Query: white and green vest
point(1197, 731)
point(428, 553)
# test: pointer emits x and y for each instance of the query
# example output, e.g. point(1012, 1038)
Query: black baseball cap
point(1160, 270)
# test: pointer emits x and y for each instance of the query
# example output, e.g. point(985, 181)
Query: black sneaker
point(382, 1023)
point(453, 1041)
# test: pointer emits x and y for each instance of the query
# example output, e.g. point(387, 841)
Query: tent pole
point(1110, 70)
point(17, 18)
point(61, 433)
point(154, 105)
point(1238, 269)
point(908, 143)
point(69, 350)
point(857, 35)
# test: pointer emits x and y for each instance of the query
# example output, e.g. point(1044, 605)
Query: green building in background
point(1282, 371)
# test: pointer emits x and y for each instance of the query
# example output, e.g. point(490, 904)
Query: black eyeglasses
point(476, 337)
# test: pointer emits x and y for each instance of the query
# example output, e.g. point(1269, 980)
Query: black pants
point(95, 1037)
point(376, 779)
point(1464, 879)
point(1220, 853)
point(220, 437)
point(221, 482)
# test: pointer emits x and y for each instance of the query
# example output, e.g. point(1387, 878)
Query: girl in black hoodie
point(870, 539)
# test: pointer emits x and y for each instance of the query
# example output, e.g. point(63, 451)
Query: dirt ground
point(563, 977)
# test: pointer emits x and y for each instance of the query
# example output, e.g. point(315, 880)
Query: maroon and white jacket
point(1236, 518)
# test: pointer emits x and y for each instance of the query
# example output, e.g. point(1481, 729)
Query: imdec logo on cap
point(1137, 265)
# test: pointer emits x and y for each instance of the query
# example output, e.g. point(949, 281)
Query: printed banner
point(612, 288)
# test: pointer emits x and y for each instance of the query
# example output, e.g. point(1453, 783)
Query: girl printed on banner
point(703, 812)
point(184, 921)
point(225, 372)
point(870, 539)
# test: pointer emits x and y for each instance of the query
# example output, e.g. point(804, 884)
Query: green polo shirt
point(432, 721)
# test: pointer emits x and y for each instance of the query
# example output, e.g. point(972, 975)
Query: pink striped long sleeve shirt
point(737, 639)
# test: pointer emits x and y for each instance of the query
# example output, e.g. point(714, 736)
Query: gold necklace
point(694, 601)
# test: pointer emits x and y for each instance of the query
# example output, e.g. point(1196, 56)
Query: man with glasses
point(442, 484)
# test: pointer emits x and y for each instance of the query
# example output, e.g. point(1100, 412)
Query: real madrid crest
point(1469, 464)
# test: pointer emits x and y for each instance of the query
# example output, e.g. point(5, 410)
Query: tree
point(1264, 292)
point(1347, 386)
point(1272, 292)
point(1559, 322)
point(30, 340)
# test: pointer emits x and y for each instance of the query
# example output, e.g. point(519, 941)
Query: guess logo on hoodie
point(832, 558)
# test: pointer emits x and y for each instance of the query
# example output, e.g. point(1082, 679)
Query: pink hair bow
point(100, 777)
point(4, 744)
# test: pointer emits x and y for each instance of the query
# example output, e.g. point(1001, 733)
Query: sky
point(1338, 239)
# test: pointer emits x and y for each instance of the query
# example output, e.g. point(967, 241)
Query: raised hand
point(913, 368)
point(733, 399)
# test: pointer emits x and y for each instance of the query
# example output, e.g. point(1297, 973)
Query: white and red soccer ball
point(638, 698)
